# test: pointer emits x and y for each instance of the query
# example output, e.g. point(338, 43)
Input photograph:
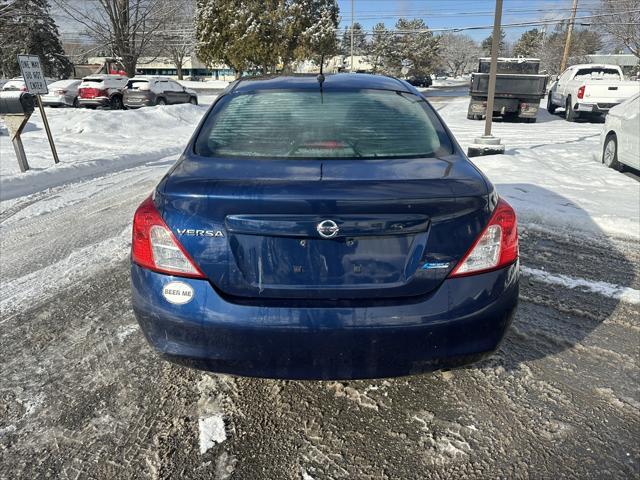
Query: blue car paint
point(464, 320)
point(399, 314)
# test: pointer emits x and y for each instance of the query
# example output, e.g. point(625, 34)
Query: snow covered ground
point(93, 142)
point(451, 82)
point(206, 85)
point(552, 174)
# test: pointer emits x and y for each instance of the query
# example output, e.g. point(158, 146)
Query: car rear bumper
point(596, 108)
point(523, 108)
point(94, 102)
point(56, 100)
point(462, 321)
point(137, 102)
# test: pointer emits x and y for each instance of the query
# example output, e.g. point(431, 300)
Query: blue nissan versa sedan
point(324, 228)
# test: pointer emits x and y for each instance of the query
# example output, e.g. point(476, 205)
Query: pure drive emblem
point(328, 229)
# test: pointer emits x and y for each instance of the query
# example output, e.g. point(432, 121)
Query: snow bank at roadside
point(450, 82)
point(93, 142)
point(552, 174)
point(206, 85)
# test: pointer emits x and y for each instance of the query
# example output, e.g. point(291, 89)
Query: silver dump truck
point(519, 88)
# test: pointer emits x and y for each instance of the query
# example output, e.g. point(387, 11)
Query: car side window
point(566, 76)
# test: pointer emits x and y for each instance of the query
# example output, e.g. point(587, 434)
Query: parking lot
point(82, 395)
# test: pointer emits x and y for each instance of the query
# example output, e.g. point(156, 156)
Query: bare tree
point(622, 23)
point(177, 37)
point(459, 53)
point(127, 27)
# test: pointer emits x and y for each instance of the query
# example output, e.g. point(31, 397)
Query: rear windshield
point(335, 124)
point(138, 85)
point(598, 72)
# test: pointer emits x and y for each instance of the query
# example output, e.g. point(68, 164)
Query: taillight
point(90, 92)
point(154, 246)
point(60, 92)
point(23, 88)
point(581, 91)
point(496, 247)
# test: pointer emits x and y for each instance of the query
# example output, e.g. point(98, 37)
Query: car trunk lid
point(256, 228)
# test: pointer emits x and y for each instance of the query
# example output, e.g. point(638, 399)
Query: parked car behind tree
point(102, 91)
point(143, 91)
point(63, 93)
point(620, 137)
point(420, 80)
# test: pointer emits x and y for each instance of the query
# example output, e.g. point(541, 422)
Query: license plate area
point(346, 262)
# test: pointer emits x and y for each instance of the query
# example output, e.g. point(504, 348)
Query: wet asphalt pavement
point(83, 396)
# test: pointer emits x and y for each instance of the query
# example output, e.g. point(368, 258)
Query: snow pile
point(211, 431)
point(552, 174)
point(206, 85)
point(93, 142)
point(625, 294)
point(451, 82)
point(210, 415)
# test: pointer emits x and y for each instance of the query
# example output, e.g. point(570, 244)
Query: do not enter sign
point(32, 73)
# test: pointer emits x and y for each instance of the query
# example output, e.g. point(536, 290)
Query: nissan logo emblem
point(328, 229)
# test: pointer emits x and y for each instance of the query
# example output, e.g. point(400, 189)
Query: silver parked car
point(63, 93)
point(143, 91)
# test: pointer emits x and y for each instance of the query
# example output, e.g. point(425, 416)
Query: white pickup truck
point(590, 89)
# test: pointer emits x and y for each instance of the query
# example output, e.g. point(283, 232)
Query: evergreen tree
point(529, 44)
point(253, 34)
point(416, 50)
point(379, 50)
point(319, 40)
point(26, 26)
point(310, 27)
point(359, 40)
point(487, 42)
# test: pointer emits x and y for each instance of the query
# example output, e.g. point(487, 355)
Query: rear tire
point(610, 153)
point(569, 114)
point(551, 108)
point(193, 101)
point(161, 101)
point(116, 103)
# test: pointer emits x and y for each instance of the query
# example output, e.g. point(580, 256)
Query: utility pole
point(488, 144)
point(351, 66)
point(567, 42)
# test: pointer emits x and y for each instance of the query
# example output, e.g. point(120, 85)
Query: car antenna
point(321, 78)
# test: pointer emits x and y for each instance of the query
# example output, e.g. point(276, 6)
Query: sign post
point(488, 144)
point(34, 79)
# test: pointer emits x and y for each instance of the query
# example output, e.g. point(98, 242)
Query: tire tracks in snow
point(58, 222)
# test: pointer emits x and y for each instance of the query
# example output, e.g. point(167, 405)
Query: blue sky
point(460, 13)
